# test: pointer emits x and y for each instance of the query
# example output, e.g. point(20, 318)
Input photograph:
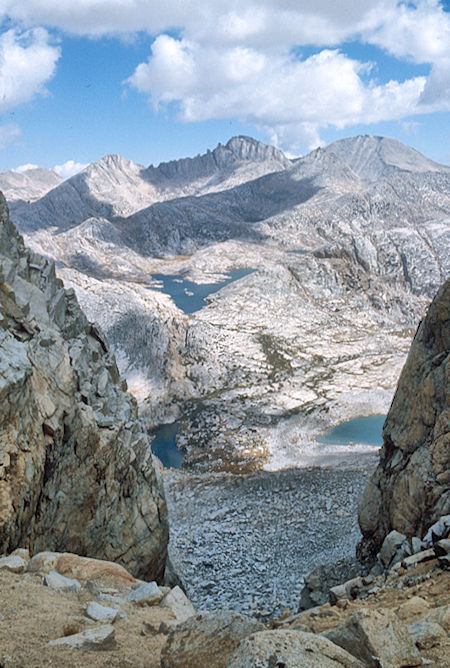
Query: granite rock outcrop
point(76, 469)
point(410, 489)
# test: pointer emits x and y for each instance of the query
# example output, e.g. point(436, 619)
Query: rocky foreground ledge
point(65, 610)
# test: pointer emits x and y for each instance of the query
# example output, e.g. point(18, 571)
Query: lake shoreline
point(349, 444)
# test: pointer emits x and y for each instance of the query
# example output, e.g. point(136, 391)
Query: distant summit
point(373, 158)
point(114, 187)
point(237, 150)
point(29, 185)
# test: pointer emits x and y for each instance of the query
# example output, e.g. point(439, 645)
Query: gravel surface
point(246, 542)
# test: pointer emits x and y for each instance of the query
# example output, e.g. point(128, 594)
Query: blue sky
point(156, 81)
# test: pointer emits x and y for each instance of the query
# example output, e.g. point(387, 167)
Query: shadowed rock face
point(410, 488)
point(76, 470)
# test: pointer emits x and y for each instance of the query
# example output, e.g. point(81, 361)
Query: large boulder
point(293, 649)
point(378, 638)
point(324, 577)
point(207, 639)
point(76, 468)
point(410, 489)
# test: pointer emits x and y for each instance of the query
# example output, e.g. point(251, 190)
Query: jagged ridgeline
point(342, 251)
point(76, 470)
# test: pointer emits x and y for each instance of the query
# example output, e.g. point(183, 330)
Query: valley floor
point(246, 542)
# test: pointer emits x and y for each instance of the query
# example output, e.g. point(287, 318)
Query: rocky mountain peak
point(240, 149)
point(372, 157)
point(247, 148)
point(114, 161)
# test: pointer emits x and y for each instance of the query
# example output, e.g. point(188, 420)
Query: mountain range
point(346, 247)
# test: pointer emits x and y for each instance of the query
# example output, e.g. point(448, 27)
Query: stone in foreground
point(207, 639)
point(81, 568)
point(101, 613)
point(440, 615)
point(98, 639)
point(59, 582)
point(377, 638)
point(293, 649)
point(147, 594)
point(426, 634)
point(13, 564)
point(395, 548)
point(179, 603)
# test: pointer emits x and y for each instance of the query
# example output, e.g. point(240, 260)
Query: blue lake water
point(189, 296)
point(366, 430)
point(164, 445)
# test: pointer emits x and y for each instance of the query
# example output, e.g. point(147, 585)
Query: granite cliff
point(410, 489)
point(76, 470)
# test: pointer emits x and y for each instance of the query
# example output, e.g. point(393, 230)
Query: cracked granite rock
point(76, 470)
point(410, 489)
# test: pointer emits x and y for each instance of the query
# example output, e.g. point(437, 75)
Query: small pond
point(164, 445)
point(189, 296)
point(365, 430)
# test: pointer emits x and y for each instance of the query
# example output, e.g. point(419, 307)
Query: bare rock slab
point(179, 603)
point(378, 638)
point(294, 649)
point(207, 639)
point(101, 613)
point(147, 594)
point(13, 564)
point(426, 634)
point(59, 582)
point(82, 568)
point(395, 547)
point(413, 608)
point(97, 639)
point(440, 615)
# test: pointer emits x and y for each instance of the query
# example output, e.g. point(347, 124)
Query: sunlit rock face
point(347, 246)
point(410, 489)
point(76, 471)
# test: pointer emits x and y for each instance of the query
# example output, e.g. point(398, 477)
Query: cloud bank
point(215, 59)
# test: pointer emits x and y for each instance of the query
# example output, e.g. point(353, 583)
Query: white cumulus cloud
point(27, 62)
point(25, 168)
point(69, 168)
point(250, 58)
point(289, 97)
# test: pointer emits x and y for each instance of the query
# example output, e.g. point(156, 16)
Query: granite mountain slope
point(374, 158)
point(347, 244)
point(115, 187)
point(30, 185)
point(76, 471)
